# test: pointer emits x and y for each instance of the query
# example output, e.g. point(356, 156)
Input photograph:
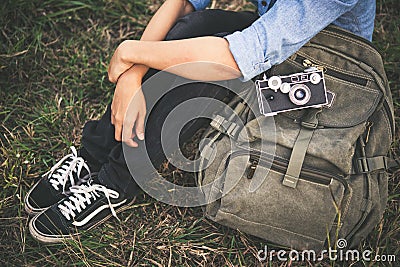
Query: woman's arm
point(128, 88)
point(166, 54)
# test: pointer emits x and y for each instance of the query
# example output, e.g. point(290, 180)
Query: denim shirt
point(284, 26)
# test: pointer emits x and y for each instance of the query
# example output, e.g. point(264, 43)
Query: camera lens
point(300, 94)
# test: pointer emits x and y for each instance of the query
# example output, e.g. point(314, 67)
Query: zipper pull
point(307, 63)
point(252, 168)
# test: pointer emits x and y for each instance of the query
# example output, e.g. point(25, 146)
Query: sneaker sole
point(57, 239)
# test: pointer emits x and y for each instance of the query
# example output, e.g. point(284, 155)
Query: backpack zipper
point(349, 78)
point(334, 73)
point(353, 36)
point(280, 165)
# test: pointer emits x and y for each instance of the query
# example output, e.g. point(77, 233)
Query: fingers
point(123, 131)
point(112, 119)
point(118, 130)
point(140, 125)
point(127, 132)
point(117, 121)
point(127, 129)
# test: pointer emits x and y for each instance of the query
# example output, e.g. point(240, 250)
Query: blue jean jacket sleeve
point(199, 4)
point(281, 31)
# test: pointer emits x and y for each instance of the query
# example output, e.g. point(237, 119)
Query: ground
point(53, 62)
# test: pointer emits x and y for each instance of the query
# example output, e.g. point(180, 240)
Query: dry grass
point(53, 59)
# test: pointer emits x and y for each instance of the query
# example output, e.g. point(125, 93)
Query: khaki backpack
point(305, 178)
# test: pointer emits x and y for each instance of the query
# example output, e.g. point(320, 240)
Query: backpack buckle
point(224, 126)
point(310, 120)
point(309, 125)
point(362, 165)
point(290, 181)
point(365, 165)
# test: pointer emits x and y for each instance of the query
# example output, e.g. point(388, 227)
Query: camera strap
point(308, 124)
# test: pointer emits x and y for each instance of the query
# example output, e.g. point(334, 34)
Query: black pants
point(102, 150)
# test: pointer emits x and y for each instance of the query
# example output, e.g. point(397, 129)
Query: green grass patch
point(53, 62)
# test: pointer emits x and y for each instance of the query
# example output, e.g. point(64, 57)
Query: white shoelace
point(82, 196)
point(64, 169)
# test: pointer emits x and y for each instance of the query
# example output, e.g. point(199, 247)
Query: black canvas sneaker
point(55, 184)
point(87, 206)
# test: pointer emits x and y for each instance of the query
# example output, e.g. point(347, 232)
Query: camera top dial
point(274, 83)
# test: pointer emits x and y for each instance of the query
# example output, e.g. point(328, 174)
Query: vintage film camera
point(295, 91)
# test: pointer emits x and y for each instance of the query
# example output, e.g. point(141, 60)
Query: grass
point(53, 61)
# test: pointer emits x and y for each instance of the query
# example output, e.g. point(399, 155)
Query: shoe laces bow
point(63, 171)
point(82, 196)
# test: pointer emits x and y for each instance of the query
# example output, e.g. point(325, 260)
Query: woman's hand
point(128, 108)
point(119, 63)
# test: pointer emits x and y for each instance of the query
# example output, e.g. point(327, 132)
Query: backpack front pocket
point(283, 215)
